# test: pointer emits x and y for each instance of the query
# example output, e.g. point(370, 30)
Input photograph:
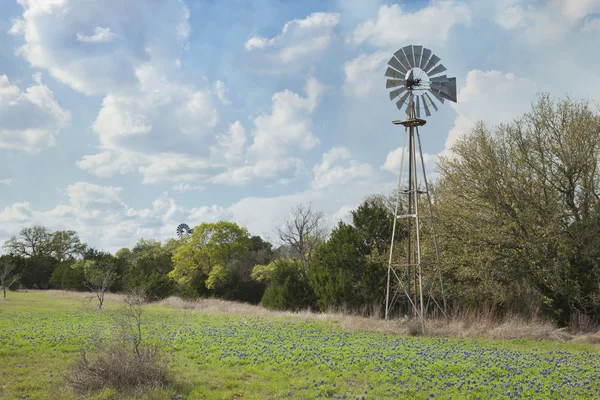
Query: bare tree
point(99, 276)
point(302, 231)
point(6, 279)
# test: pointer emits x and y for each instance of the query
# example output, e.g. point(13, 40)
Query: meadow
point(240, 355)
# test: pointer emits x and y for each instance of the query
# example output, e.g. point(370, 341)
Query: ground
point(240, 355)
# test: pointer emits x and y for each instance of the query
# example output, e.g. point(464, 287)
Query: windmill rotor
point(183, 230)
point(413, 73)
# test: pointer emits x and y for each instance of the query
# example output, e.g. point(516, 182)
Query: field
point(234, 356)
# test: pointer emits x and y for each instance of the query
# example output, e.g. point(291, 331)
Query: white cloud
point(277, 137)
point(30, 119)
point(298, 42)
point(332, 171)
point(45, 25)
point(221, 91)
point(490, 96)
point(6, 181)
point(591, 25)
point(186, 187)
point(545, 23)
point(394, 26)
point(82, 194)
point(100, 35)
point(364, 73)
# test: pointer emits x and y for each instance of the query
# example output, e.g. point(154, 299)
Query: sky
point(122, 119)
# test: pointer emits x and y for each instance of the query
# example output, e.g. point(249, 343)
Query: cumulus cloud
point(46, 25)
point(489, 96)
point(337, 168)
point(100, 35)
point(547, 22)
point(276, 137)
point(364, 73)
point(29, 119)
point(299, 41)
point(394, 26)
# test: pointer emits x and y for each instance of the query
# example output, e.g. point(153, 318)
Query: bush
point(289, 288)
point(124, 362)
point(116, 365)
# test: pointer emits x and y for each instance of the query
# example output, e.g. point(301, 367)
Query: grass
point(220, 350)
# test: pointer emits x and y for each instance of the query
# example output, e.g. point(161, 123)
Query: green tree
point(519, 210)
point(288, 287)
point(210, 254)
point(35, 241)
point(7, 273)
point(66, 245)
point(340, 273)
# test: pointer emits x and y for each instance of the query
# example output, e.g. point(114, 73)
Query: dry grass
point(469, 324)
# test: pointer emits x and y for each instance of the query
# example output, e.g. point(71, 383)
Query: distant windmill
point(413, 73)
point(183, 230)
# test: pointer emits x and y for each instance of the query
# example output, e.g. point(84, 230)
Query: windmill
point(414, 75)
point(183, 230)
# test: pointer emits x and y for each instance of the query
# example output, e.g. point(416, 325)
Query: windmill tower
point(414, 283)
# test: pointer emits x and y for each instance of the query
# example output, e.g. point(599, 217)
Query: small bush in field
point(125, 362)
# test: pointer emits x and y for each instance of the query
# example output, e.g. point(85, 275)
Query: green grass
point(221, 356)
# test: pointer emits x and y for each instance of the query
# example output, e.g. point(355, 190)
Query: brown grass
point(470, 324)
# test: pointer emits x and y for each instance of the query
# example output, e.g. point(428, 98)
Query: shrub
point(125, 362)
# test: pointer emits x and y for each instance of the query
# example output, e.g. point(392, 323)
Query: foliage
point(288, 287)
point(67, 276)
point(214, 251)
point(519, 207)
point(263, 273)
point(99, 275)
point(35, 241)
point(373, 219)
point(340, 273)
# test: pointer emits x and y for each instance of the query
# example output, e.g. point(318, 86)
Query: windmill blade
point(396, 93)
point(408, 51)
point(431, 101)
point(392, 73)
point(447, 90)
point(437, 70)
point(394, 63)
point(418, 51)
point(440, 79)
point(431, 63)
point(390, 83)
point(437, 96)
point(427, 112)
point(401, 57)
point(400, 102)
point(424, 58)
point(418, 107)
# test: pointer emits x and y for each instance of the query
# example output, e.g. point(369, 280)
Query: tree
point(373, 219)
point(288, 288)
point(302, 231)
point(66, 245)
point(340, 273)
point(210, 254)
point(7, 278)
point(519, 208)
point(32, 242)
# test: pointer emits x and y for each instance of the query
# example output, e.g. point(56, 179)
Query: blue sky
point(121, 120)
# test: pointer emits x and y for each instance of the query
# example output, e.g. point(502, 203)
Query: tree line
point(518, 219)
